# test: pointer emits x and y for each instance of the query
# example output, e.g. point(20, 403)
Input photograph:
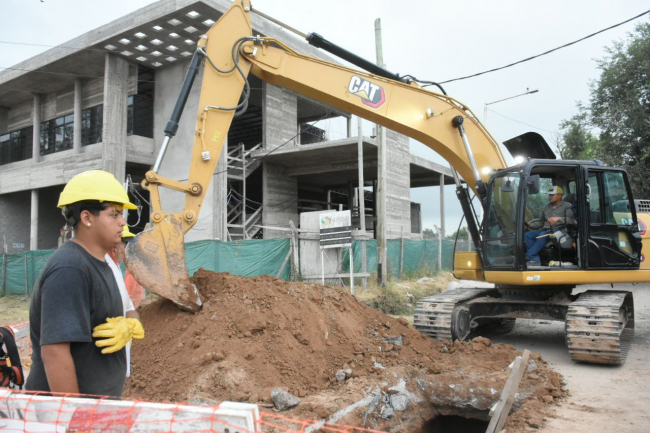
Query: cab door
point(613, 240)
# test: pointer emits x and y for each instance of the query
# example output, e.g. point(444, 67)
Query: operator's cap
point(555, 190)
point(127, 236)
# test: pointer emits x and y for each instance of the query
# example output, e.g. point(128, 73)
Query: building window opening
point(57, 134)
point(92, 121)
point(140, 105)
point(16, 146)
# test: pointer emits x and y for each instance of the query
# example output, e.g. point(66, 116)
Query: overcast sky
point(431, 40)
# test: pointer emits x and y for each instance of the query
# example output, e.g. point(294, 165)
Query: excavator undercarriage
point(599, 325)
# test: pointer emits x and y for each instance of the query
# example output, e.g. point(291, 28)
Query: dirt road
point(603, 398)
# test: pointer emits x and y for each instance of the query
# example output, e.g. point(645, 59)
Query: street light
point(501, 100)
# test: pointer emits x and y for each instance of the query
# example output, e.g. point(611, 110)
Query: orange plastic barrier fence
point(50, 412)
point(40, 412)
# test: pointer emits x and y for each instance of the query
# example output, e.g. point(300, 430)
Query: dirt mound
point(256, 334)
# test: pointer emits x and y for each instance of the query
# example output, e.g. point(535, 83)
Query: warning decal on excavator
point(371, 94)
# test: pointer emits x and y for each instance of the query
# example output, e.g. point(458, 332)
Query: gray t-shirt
point(562, 210)
point(74, 293)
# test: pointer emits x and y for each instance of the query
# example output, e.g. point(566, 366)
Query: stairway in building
point(244, 215)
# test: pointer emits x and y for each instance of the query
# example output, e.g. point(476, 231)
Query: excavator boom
point(156, 257)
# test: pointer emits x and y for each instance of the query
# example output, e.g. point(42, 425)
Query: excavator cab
point(600, 229)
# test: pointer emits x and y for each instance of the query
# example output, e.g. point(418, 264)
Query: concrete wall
point(310, 253)
point(20, 116)
point(14, 219)
point(280, 200)
point(92, 92)
point(280, 114)
point(279, 191)
point(398, 186)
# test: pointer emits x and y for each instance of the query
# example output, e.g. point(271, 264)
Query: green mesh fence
point(252, 258)
point(419, 256)
point(247, 258)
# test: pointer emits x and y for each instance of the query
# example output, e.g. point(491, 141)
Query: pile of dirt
point(256, 334)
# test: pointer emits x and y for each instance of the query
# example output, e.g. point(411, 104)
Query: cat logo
point(371, 94)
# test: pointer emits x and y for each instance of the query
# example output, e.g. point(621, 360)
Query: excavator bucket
point(156, 258)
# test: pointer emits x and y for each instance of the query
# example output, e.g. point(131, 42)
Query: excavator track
point(600, 327)
point(434, 314)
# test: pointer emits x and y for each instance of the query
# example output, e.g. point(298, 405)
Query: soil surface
point(256, 334)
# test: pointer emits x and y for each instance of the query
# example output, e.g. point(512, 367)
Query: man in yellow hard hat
point(77, 324)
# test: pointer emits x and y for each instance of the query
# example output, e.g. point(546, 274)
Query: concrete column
point(220, 191)
point(398, 188)
point(280, 114)
point(33, 229)
point(116, 74)
point(280, 200)
point(442, 204)
point(36, 140)
point(279, 191)
point(76, 140)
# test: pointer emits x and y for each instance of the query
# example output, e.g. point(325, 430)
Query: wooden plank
point(295, 259)
point(503, 406)
point(284, 263)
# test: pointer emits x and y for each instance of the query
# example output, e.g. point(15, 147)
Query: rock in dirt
point(399, 402)
point(283, 400)
point(394, 340)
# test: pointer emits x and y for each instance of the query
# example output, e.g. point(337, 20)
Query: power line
point(547, 52)
point(523, 123)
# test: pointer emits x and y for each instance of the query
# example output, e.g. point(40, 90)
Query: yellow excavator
point(602, 244)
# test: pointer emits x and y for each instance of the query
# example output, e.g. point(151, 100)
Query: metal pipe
point(172, 125)
point(320, 42)
point(161, 154)
point(192, 71)
point(458, 123)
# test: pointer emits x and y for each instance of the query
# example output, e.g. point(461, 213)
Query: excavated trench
point(334, 358)
point(454, 424)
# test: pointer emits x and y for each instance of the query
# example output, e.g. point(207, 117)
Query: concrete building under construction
point(101, 100)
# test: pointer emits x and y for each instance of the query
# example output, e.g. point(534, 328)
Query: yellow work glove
point(116, 333)
point(137, 331)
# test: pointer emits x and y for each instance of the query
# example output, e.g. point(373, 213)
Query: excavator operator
point(556, 213)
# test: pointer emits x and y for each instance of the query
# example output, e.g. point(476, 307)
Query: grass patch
point(14, 309)
point(399, 298)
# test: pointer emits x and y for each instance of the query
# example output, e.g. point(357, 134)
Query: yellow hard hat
point(94, 185)
point(126, 233)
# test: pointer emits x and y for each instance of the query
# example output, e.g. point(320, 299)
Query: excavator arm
point(156, 257)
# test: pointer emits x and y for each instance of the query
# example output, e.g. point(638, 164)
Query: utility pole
point(362, 202)
point(382, 268)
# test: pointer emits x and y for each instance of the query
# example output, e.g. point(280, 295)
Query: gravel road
point(603, 398)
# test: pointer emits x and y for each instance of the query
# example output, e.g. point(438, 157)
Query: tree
point(429, 234)
point(577, 140)
point(462, 234)
point(619, 109)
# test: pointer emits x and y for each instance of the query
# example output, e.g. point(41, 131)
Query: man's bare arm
point(59, 368)
point(132, 314)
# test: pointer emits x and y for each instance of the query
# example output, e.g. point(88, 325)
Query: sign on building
point(335, 229)
point(18, 245)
